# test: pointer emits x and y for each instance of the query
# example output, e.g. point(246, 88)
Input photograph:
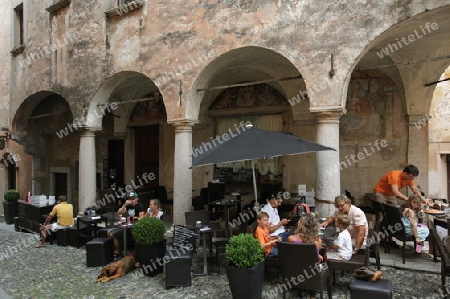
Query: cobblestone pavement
point(61, 272)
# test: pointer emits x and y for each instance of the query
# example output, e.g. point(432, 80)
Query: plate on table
point(434, 212)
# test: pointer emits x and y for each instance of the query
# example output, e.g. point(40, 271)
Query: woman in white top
point(154, 209)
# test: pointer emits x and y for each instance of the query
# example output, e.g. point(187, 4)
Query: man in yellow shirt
point(64, 211)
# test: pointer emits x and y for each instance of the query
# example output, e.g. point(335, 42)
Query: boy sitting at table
point(342, 248)
point(262, 234)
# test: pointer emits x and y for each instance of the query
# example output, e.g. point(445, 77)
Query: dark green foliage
point(148, 230)
point(11, 195)
point(244, 251)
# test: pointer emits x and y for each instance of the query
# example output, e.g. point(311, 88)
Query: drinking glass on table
point(131, 213)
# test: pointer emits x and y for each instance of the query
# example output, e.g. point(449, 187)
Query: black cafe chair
point(315, 277)
point(161, 194)
point(445, 260)
point(393, 218)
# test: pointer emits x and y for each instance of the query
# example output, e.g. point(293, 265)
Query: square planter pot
point(246, 283)
point(11, 210)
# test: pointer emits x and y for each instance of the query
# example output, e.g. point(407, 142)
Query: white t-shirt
point(160, 213)
point(344, 241)
point(357, 218)
point(274, 218)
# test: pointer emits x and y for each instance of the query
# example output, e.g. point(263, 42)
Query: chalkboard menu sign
point(185, 238)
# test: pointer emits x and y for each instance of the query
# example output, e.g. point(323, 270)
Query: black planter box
point(246, 283)
point(151, 257)
point(11, 210)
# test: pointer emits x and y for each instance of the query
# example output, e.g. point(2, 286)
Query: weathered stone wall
point(191, 42)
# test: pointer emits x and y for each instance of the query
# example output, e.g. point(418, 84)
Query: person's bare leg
point(44, 233)
point(115, 242)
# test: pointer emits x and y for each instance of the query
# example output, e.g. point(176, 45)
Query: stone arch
point(410, 53)
point(43, 126)
point(125, 86)
point(245, 64)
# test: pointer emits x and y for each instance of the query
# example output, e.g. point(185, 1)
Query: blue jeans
point(284, 236)
point(273, 252)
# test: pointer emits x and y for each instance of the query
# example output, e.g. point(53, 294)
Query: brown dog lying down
point(117, 269)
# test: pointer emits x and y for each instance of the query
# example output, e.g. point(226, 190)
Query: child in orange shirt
point(262, 234)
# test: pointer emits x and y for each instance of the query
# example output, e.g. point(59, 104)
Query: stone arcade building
point(102, 92)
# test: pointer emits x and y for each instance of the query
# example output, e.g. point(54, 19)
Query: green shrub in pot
point(245, 270)
point(148, 233)
point(244, 251)
point(11, 195)
point(10, 205)
point(148, 230)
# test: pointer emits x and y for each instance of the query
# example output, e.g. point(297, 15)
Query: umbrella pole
point(254, 182)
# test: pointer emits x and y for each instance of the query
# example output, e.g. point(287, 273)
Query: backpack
point(301, 209)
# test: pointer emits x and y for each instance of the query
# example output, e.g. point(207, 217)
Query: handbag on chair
point(367, 274)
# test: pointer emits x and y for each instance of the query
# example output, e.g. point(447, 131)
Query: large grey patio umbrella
point(251, 143)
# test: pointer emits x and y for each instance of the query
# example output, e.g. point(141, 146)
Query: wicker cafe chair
point(107, 202)
point(316, 277)
point(161, 194)
point(357, 261)
point(394, 217)
point(445, 260)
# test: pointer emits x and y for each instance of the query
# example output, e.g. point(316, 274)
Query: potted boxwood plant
point(148, 234)
point(10, 206)
point(245, 269)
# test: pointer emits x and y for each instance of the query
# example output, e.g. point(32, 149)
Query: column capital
point(413, 119)
point(182, 124)
point(328, 114)
point(89, 131)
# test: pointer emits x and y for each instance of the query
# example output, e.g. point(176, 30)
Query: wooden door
point(147, 156)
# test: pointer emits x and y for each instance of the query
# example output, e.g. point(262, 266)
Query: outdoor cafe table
point(91, 226)
point(204, 231)
point(225, 205)
point(125, 228)
point(239, 195)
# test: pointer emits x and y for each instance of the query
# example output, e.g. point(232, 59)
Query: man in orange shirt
point(387, 190)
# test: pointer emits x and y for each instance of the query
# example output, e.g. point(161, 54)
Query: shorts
point(117, 233)
point(390, 200)
point(273, 252)
point(56, 226)
point(334, 255)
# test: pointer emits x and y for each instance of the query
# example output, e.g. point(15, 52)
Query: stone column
point(87, 170)
point(328, 179)
point(418, 146)
point(182, 178)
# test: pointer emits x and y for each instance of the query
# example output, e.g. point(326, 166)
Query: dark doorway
point(147, 155)
point(11, 164)
point(116, 162)
point(60, 184)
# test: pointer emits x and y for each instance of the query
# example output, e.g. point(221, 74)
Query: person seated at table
point(131, 206)
point(64, 212)
point(342, 247)
point(358, 227)
point(154, 209)
point(262, 234)
point(307, 232)
point(276, 227)
point(409, 219)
